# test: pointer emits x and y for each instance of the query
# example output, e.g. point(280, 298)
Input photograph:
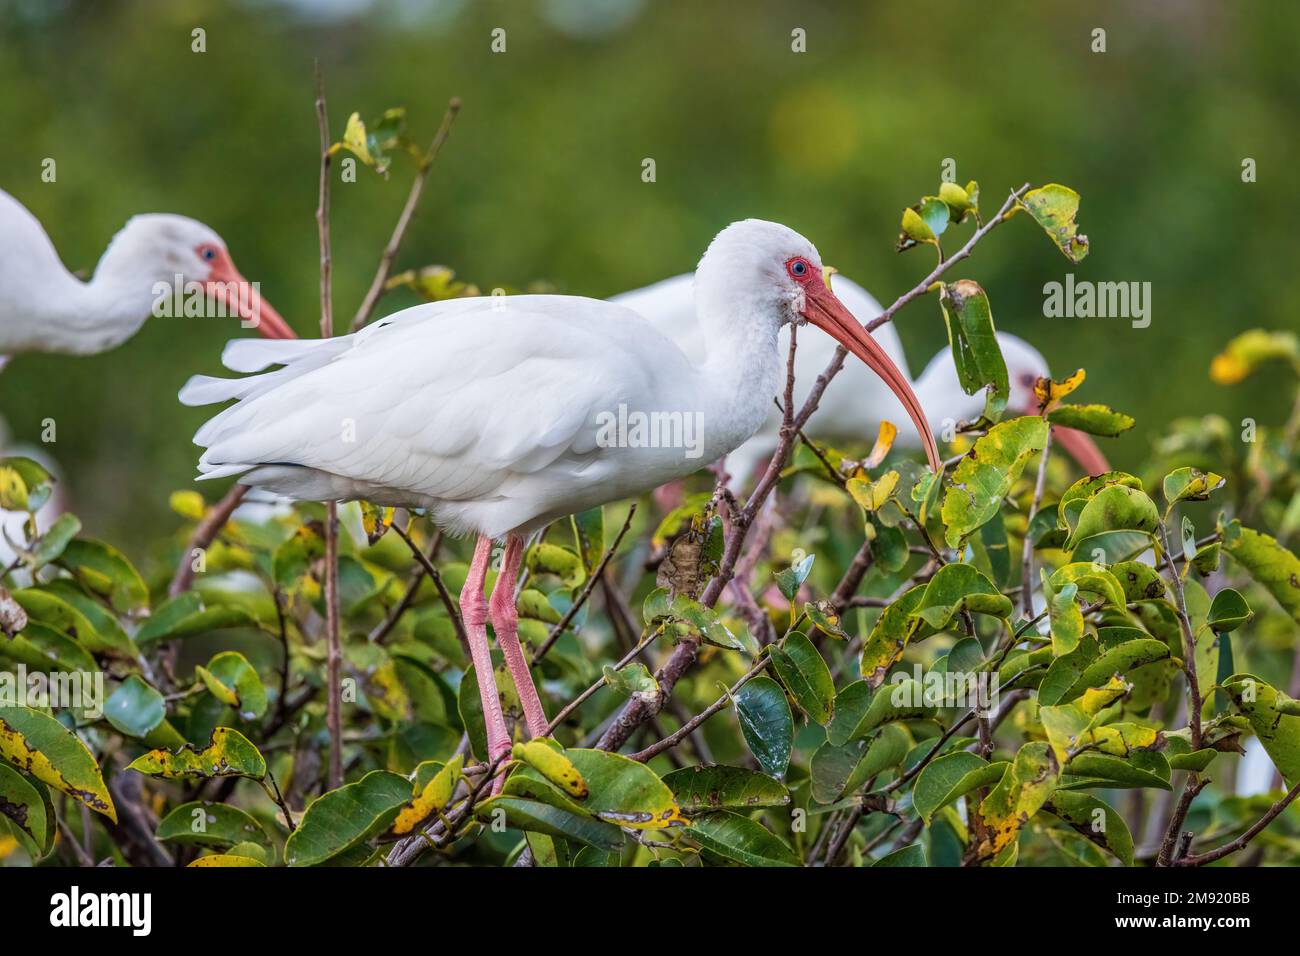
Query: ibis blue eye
point(209, 253)
point(799, 268)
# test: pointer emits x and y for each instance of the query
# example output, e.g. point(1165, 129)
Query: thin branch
point(436, 577)
point(204, 534)
point(686, 729)
point(1027, 551)
point(334, 653)
point(1200, 859)
point(385, 627)
point(1189, 648)
point(376, 290)
point(1194, 786)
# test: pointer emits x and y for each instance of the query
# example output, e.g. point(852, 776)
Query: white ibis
point(493, 413)
point(44, 308)
point(855, 402)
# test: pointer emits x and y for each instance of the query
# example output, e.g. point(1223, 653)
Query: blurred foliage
point(543, 172)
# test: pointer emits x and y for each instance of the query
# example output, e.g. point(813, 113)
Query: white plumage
point(855, 401)
point(45, 308)
point(493, 413)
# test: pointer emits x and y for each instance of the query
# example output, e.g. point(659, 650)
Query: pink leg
point(474, 612)
point(505, 622)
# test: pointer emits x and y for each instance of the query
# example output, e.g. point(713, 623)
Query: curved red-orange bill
point(824, 310)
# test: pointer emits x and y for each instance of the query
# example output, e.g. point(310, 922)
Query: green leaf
point(1270, 564)
point(956, 588)
point(227, 754)
point(851, 706)
point(792, 578)
point(913, 855)
point(893, 630)
point(375, 521)
point(553, 559)
point(767, 724)
point(43, 648)
point(1093, 419)
point(738, 838)
point(343, 819)
point(186, 615)
point(701, 789)
point(23, 804)
point(1054, 207)
point(54, 540)
point(537, 817)
point(623, 791)
point(1278, 731)
point(960, 202)
point(975, 351)
point(986, 473)
point(951, 776)
point(135, 708)
point(1070, 675)
point(1190, 484)
point(899, 700)
point(632, 680)
point(1097, 821)
point(41, 746)
point(1116, 507)
point(1140, 582)
point(105, 571)
point(226, 860)
point(1092, 578)
point(806, 675)
point(1024, 788)
point(231, 679)
point(1066, 619)
point(1228, 611)
point(589, 536)
point(291, 563)
point(25, 485)
point(216, 825)
point(1118, 772)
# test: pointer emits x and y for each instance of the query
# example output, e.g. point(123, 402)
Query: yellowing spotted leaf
point(552, 764)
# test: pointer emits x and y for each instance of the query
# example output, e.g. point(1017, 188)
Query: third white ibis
point(492, 413)
point(44, 308)
point(855, 402)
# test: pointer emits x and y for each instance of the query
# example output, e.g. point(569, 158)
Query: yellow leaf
point(354, 139)
point(188, 504)
point(884, 442)
point(1049, 392)
point(435, 795)
point(553, 765)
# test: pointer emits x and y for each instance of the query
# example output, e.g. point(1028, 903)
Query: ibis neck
point(740, 374)
point(106, 311)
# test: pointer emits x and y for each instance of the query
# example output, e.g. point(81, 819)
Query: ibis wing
point(446, 402)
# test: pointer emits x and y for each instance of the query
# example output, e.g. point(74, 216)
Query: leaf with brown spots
point(41, 746)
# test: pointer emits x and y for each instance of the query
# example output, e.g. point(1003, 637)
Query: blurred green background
point(542, 177)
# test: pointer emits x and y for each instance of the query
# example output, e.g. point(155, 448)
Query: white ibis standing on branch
point(493, 413)
point(144, 271)
point(855, 402)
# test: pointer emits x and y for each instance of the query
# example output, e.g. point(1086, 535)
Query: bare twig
point(1027, 551)
point(1200, 859)
point(385, 627)
point(1193, 786)
point(376, 290)
point(204, 534)
point(1189, 648)
point(334, 654)
point(435, 576)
